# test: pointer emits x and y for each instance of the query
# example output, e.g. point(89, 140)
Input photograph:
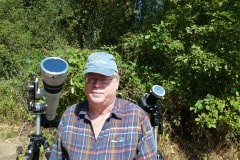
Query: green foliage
point(198, 66)
point(26, 33)
point(74, 84)
point(220, 114)
point(12, 42)
point(207, 67)
point(91, 23)
point(40, 18)
point(49, 134)
point(190, 51)
point(11, 101)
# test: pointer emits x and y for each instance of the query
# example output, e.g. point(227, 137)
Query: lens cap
point(158, 91)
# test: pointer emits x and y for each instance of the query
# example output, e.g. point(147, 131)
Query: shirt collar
point(116, 112)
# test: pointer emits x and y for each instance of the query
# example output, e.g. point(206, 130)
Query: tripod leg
point(47, 148)
point(29, 153)
point(33, 149)
point(36, 154)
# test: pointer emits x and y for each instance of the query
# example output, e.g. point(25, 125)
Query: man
point(104, 127)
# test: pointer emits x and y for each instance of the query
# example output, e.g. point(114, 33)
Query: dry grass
point(16, 133)
point(172, 149)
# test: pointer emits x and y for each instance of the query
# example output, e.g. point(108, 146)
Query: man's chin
point(97, 99)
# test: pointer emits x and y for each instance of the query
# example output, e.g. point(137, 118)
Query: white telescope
point(54, 73)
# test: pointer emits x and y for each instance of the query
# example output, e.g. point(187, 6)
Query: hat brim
point(103, 71)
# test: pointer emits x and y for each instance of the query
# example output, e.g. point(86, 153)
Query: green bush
point(221, 114)
point(13, 106)
point(190, 51)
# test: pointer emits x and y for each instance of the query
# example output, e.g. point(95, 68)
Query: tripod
point(37, 139)
point(156, 122)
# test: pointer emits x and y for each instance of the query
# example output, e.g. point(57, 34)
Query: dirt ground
point(12, 137)
point(7, 150)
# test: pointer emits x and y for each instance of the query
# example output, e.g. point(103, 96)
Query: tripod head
point(34, 94)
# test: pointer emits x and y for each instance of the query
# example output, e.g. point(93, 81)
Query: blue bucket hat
point(101, 63)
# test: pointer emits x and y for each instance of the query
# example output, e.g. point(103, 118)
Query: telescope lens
point(158, 91)
point(54, 65)
point(54, 71)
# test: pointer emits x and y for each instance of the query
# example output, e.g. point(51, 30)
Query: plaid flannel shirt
point(126, 135)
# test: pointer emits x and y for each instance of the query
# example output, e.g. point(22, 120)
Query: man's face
point(101, 90)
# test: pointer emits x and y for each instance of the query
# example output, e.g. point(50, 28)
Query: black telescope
point(149, 102)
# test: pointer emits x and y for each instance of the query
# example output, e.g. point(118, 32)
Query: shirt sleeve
point(147, 147)
point(58, 152)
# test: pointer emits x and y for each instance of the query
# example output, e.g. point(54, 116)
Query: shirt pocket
point(123, 142)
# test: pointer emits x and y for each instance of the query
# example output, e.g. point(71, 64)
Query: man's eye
point(103, 79)
point(100, 80)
